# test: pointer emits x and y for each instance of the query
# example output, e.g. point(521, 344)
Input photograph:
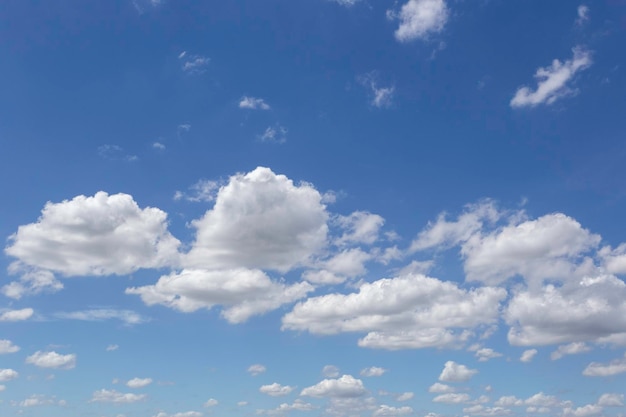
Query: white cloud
point(297, 405)
point(32, 281)
point(128, 317)
point(274, 134)
point(180, 414)
point(260, 220)
point(139, 382)
point(508, 401)
point(387, 410)
point(611, 400)
point(112, 396)
point(552, 81)
point(536, 249)
point(419, 19)
point(349, 262)
point(16, 315)
point(211, 402)
point(344, 387)
point(589, 309)
point(201, 191)
point(528, 355)
point(484, 354)
point(39, 400)
point(8, 375)
point(439, 388)
point(385, 309)
point(542, 400)
point(445, 234)
point(454, 372)
point(615, 367)
point(584, 411)
point(276, 389)
point(583, 14)
point(112, 348)
point(346, 3)
point(405, 396)
point(243, 292)
point(256, 369)
point(570, 349)
point(330, 371)
point(253, 103)
point(373, 371)
point(6, 346)
point(193, 64)
point(158, 145)
point(452, 398)
point(99, 235)
point(361, 227)
point(115, 153)
point(52, 359)
point(381, 97)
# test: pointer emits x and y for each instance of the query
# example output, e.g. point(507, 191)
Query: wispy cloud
point(253, 103)
point(115, 153)
point(381, 97)
point(192, 63)
point(128, 317)
point(274, 134)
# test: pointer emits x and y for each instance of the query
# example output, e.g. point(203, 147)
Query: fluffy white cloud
point(590, 309)
point(260, 220)
point(387, 410)
point(452, 398)
point(128, 317)
point(611, 400)
point(536, 249)
point(256, 369)
point(528, 355)
point(405, 396)
point(276, 389)
point(52, 360)
point(242, 292)
point(253, 103)
point(284, 408)
point(570, 349)
point(542, 400)
point(99, 235)
point(552, 81)
point(484, 354)
point(31, 282)
point(139, 382)
point(344, 387)
point(112, 396)
point(481, 410)
point(584, 411)
point(39, 400)
point(8, 375)
point(439, 388)
point(508, 401)
point(455, 372)
point(617, 366)
point(6, 346)
point(419, 19)
point(444, 234)
point(373, 371)
point(410, 311)
point(211, 402)
point(16, 315)
point(360, 227)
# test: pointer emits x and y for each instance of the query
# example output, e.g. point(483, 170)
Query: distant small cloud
point(274, 134)
point(159, 146)
point(381, 97)
point(111, 348)
point(193, 64)
point(182, 129)
point(128, 317)
point(203, 190)
point(115, 153)
point(583, 14)
point(419, 19)
point(528, 355)
point(256, 369)
point(346, 3)
point(330, 371)
point(253, 103)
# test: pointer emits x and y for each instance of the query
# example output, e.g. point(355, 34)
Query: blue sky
point(312, 208)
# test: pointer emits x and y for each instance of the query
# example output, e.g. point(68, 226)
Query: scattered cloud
point(373, 371)
point(484, 354)
point(211, 402)
point(193, 64)
point(253, 103)
point(139, 382)
point(344, 387)
point(419, 19)
point(36, 400)
point(274, 134)
point(52, 360)
point(360, 227)
point(285, 408)
point(202, 191)
point(180, 414)
point(439, 388)
point(16, 315)
point(276, 389)
point(528, 355)
point(127, 317)
point(8, 375)
point(115, 153)
point(570, 349)
point(330, 371)
point(159, 146)
point(405, 396)
point(381, 97)
point(112, 396)
point(346, 3)
point(256, 369)
point(112, 348)
point(452, 398)
point(583, 14)
point(553, 81)
point(6, 346)
point(617, 366)
point(454, 372)
point(387, 410)
point(611, 400)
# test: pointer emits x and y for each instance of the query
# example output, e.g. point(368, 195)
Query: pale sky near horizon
point(312, 208)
